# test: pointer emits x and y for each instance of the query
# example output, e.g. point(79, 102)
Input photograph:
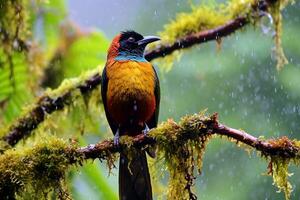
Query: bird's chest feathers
point(130, 80)
point(131, 89)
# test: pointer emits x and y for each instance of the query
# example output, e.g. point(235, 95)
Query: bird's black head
point(132, 44)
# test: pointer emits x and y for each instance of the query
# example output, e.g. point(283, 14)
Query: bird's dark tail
point(134, 178)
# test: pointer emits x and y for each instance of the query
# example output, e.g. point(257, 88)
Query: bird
point(130, 93)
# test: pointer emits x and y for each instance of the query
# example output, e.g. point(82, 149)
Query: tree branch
point(45, 106)
point(192, 127)
point(56, 156)
point(198, 38)
point(282, 147)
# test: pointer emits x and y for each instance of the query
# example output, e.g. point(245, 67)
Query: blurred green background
point(240, 82)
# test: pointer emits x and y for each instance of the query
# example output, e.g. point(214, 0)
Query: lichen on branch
point(51, 101)
point(275, 10)
point(181, 145)
point(204, 17)
point(36, 173)
point(14, 25)
point(44, 165)
point(278, 169)
point(192, 26)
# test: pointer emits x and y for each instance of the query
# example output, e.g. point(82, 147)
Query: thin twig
point(281, 146)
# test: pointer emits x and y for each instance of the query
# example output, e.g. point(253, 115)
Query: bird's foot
point(116, 138)
point(146, 130)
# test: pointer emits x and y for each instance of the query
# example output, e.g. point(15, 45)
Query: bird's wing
point(154, 119)
point(104, 85)
point(152, 123)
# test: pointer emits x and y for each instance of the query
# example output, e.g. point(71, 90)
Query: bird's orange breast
point(130, 92)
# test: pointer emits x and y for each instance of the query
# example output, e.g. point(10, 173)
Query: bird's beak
point(147, 39)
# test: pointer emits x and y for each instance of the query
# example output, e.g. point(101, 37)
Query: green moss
point(182, 146)
point(287, 152)
point(280, 175)
point(278, 166)
point(13, 22)
point(72, 98)
point(204, 17)
point(200, 18)
point(3, 146)
point(71, 84)
point(275, 10)
point(36, 173)
point(81, 112)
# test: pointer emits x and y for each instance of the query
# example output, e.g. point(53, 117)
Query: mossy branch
point(47, 104)
point(177, 143)
point(198, 38)
point(191, 127)
point(180, 143)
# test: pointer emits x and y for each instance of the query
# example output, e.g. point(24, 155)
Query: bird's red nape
point(114, 48)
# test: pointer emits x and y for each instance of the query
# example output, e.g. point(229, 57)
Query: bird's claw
point(146, 130)
point(117, 138)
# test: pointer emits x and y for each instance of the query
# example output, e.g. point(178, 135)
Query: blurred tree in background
point(44, 44)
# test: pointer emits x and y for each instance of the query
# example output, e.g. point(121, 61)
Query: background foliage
point(239, 81)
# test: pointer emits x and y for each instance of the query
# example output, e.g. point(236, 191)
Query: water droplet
point(267, 23)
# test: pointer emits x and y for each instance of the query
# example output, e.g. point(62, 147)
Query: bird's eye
point(131, 39)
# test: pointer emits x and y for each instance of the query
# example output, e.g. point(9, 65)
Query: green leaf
point(85, 53)
point(14, 90)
